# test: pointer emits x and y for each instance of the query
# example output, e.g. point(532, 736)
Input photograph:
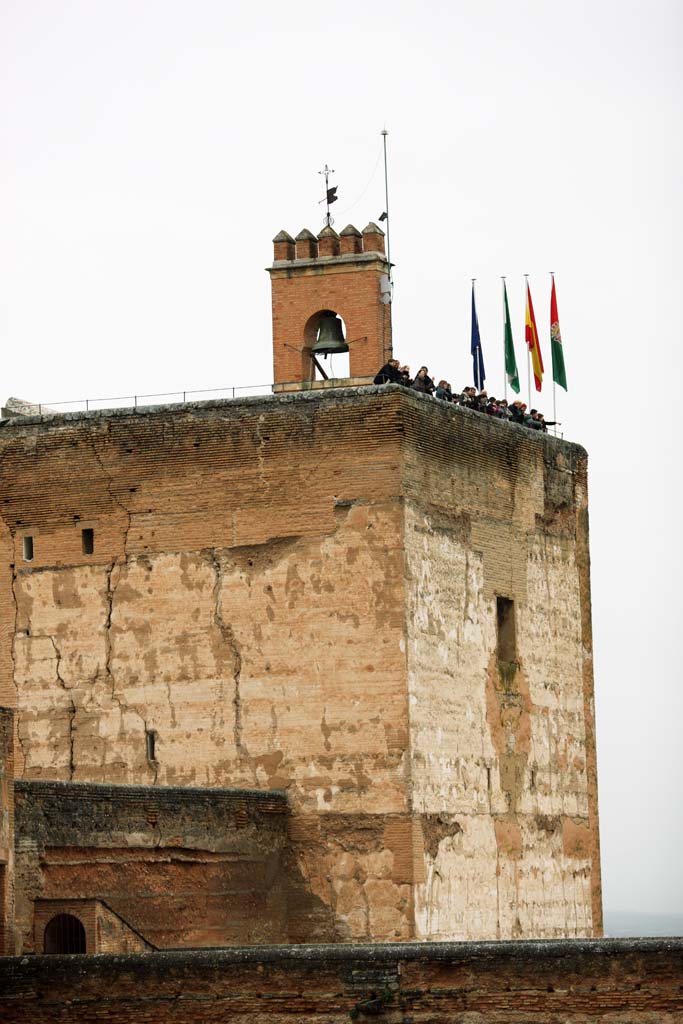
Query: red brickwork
point(328, 242)
point(337, 273)
point(562, 982)
point(178, 867)
point(84, 911)
point(6, 831)
point(105, 931)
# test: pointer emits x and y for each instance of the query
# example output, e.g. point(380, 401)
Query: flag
point(477, 357)
point(510, 361)
point(559, 374)
point(533, 344)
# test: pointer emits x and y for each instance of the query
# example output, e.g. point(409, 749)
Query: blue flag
point(477, 357)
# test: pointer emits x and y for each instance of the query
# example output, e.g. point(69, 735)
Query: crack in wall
point(261, 447)
point(72, 709)
point(228, 636)
point(110, 591)
point(109, 606)
point(114, 497)
point(174, 720)
point(13, 658)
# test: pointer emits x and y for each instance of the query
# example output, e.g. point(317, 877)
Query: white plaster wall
point(504, 871)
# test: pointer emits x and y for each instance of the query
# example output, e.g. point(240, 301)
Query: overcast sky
point(151, 150)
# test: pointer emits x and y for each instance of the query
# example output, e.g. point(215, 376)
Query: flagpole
point(475, 370)
point(528, 353)
point(505, 376)
point(552, 278)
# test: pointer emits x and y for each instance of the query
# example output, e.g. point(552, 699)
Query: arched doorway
point(64, 934)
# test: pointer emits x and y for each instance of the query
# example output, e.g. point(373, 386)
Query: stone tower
point(372, 602)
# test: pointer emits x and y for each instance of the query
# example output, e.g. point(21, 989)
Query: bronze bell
point(330, 338)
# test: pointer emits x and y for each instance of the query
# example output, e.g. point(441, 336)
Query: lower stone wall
point(625, 981)
point(180, 866)
point(6, 830)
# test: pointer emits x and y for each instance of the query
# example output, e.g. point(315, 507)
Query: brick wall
point(299, 593)
point(6, 831)
point(244, 602)
point(561, 982)
point(180, 866)
point(346, 284)
point(105, 931)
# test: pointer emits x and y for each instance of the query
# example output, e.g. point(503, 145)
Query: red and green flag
point(532, 340)
point(559, 373)
point(510, 361)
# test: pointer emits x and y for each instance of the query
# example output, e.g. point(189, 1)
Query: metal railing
point(138, 401)
point(181, 397)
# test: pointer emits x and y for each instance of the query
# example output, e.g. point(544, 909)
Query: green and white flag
point(510, 361)
point(559, 372)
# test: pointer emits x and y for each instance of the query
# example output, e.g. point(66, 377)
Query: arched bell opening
point(64, 934)
point(326, 352)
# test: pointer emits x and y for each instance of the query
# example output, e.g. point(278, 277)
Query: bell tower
point(331, 294)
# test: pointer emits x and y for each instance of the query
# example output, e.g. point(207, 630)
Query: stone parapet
point(625, 981)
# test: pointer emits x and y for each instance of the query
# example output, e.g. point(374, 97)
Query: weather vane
point(330, 194)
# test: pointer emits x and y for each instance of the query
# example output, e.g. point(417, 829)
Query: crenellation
point(328, 242)
point(373, 238)
point(351, 240)
point(306, 245)
point(283, 246)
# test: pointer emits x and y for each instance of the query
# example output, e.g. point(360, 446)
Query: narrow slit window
point(88, 541)
point(151, 740)
point(27, 549)
point(507, 639)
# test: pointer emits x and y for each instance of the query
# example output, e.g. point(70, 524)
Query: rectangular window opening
point(27, 549)
point(88, 541)
point(151, 740)
point(507, 639)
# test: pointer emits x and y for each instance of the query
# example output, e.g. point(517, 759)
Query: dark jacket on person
point(388, 375)
point(518, 415)
point(424, 384)
point(444, 394)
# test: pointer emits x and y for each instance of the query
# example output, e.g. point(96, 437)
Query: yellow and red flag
point(533, 344)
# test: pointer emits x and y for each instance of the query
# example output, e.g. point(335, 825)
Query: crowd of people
point(393, 373)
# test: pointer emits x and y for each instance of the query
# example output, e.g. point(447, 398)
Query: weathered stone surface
point(299, 593)
point(567, 981)
point(501, 748)
point(7, 944)
point(180, 867)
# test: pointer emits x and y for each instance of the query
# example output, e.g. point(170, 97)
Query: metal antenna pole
point(384, 134)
